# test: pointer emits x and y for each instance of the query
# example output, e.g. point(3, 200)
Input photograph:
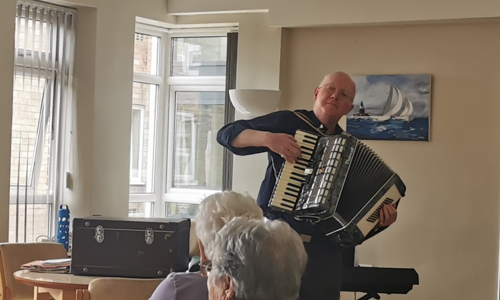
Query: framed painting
point(391, 107)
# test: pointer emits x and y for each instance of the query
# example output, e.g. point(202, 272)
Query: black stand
point(348, 261)
point(370, 296)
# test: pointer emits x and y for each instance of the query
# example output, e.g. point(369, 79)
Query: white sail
point(389, 112)
point(388, 102)
point(397, 109)
point(402, 109)
point(408, 108)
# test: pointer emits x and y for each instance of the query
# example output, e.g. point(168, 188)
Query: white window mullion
point(170, 144)
point(140, 198)
point(149, 79)
point(150, 201)
point(136, 149)
point(196, 81)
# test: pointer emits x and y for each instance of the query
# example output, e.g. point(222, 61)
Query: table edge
point(50, 285)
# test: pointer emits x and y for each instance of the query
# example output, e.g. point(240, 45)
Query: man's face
point(334, 98)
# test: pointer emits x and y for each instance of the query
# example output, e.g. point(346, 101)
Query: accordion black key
point(339, 183)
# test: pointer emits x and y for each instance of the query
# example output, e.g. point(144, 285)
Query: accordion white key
point(339, 183)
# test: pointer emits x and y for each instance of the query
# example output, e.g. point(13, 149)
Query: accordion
point(339, 184)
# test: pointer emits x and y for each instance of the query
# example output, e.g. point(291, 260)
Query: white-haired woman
point(256, 260)
point(213, 213)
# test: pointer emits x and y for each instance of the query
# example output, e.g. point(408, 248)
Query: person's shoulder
point(287, 114)
point(187, 278)
point(283, 112)
point(190, 286)
point(305, 112)
point(166, 289)
point(184, 275)
point(176, 284)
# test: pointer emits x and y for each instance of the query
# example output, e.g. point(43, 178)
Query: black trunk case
point(130, 247)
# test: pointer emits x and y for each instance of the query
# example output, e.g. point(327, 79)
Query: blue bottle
point(63, 226)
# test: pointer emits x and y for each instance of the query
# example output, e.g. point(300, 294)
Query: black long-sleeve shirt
point(276, 122)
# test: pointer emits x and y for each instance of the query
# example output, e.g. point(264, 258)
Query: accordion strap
point(308, 121)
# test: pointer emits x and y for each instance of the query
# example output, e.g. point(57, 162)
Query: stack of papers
point(49, 266)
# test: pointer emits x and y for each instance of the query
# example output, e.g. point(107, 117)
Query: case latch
point(99, 234)
point(150, 236)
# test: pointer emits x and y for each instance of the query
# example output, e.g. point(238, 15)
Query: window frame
point(191, 196)
point(167, 87)
point(159, 80)
point(137, 180)
point(55, 102)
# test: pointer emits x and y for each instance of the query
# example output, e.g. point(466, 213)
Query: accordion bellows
point(339, 183)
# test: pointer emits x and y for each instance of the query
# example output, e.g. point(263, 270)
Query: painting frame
point(391, 107)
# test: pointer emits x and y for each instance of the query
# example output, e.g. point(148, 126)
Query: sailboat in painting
point(397, 106)
point(391, 107)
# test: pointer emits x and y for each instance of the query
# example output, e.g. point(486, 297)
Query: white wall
point(324, 12)
point(104, 72)
point(182, 7)
point(448, 223)
point(298, 13)
point(7, 28)
point(78, 197)
point(259, 49)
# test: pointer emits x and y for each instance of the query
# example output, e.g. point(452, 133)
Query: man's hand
point(285, 145)
point(388, 215)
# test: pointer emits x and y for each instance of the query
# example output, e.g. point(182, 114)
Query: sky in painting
point(374, 89)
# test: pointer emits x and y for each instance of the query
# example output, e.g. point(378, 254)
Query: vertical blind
point(44, 50)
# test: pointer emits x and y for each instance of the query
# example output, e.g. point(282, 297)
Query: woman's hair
point(266, 259)
point(216, 210)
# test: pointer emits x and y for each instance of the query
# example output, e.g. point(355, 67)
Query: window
point(199, 56)
point(197, 155)
point(44, 38)
point(187, 92)
point(137, 140)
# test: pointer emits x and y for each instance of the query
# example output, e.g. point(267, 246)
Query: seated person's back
point(182, 286)
point(213, 213)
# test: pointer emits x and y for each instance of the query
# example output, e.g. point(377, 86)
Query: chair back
point(121, 289)
point(194, 249)
point(13, 255)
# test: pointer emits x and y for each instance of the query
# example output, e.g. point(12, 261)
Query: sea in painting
point(391, 107)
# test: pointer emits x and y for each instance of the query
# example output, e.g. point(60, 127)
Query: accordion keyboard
point(292, 175)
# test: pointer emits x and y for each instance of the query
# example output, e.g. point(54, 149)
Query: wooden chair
point(13, 255)
point(119, 289)
point(194, 249)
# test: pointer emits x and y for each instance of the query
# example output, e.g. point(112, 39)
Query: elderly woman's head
point(255, 260)
point(218, 209)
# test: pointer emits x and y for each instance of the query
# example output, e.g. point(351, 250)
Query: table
point(59, 286)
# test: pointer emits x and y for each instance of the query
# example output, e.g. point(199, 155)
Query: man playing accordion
point(274, 134)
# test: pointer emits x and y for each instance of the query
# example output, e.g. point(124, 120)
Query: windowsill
point(193, 196)
point(137, 183)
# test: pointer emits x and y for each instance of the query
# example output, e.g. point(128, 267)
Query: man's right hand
point(285, 145)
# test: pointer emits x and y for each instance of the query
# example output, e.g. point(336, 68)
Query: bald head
point(330, 78)
point(334, 98)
